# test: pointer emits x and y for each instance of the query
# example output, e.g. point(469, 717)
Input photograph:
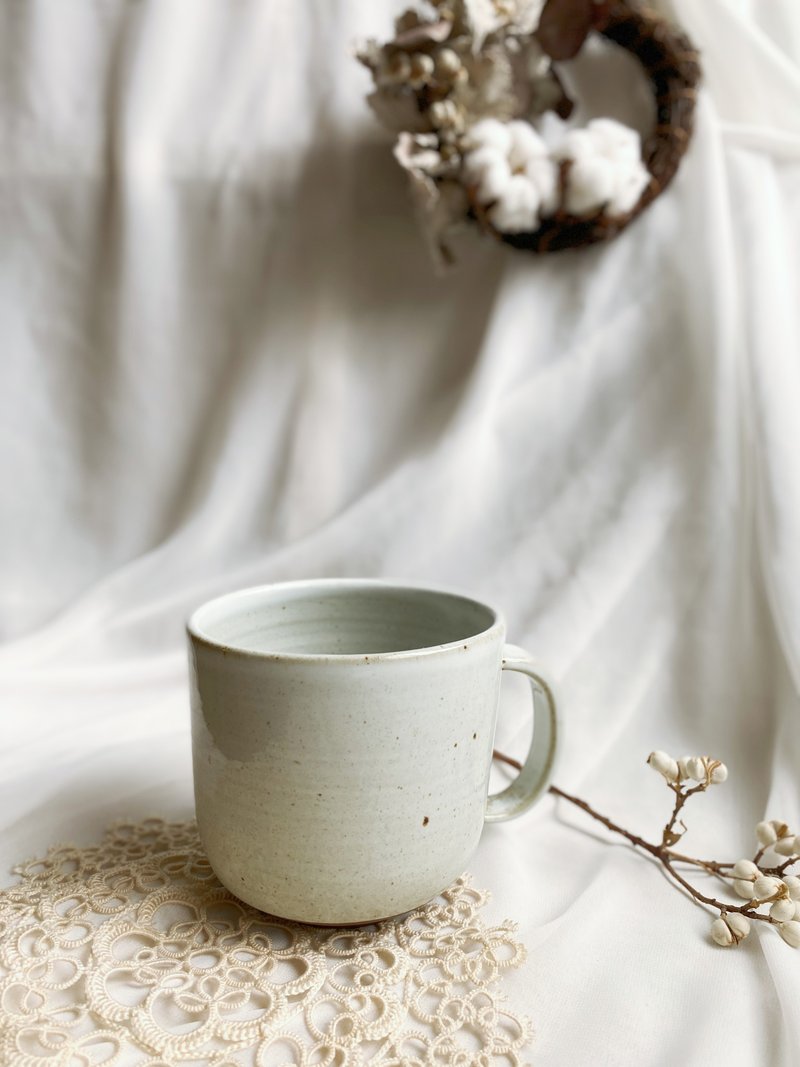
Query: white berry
point(793, 885)
point(730, 929)
point(765, 834)
point(664, 764)
point(697, 768)
point(721, 932)
point(787, 846)
point(765, 886)
point(719, 774)
point(739, 925)
point(745, 869)
point(743, 889)
point(790, 932)
point(782, 910)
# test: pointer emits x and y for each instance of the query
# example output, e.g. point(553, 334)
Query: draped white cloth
point(226, 360)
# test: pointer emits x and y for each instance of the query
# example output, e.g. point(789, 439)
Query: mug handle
point(537, 769)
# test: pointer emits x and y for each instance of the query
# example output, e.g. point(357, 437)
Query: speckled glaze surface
point(342, 738)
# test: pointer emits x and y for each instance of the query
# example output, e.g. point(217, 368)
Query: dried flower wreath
point(462, 83)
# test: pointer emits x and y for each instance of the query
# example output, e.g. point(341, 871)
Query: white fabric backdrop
point(226, 360)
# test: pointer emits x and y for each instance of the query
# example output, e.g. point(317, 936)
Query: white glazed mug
point(342, 740)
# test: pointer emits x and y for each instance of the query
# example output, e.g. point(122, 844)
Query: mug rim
point(197, 635)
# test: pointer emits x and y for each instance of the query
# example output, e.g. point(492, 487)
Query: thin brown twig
point(712, 866)
point(634, 839)
point(662, 852)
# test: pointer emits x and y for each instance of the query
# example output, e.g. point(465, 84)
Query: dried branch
point(761, 885)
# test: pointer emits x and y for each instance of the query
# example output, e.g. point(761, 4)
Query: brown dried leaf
point(564, 26)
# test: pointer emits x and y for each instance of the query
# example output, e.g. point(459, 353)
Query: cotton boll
point(543, 174)
point(526, 145)
point(490, 133)
point(494, 182)
point(577, 144)
point(489, 171)
point(517, 209)
point(629, 188)
point(616, 141)
point(590, 185)
point(477, 161)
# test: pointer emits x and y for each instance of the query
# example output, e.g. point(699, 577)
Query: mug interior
point(340, 619)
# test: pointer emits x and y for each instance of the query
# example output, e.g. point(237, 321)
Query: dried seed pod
point(396, 68)
point(447, 63)
point(421, 70)
point(445, 113)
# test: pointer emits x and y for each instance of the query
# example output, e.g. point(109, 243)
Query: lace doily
point(132, 953)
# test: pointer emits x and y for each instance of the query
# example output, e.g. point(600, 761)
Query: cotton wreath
point(467, 85)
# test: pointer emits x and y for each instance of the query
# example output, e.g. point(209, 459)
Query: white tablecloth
point(226, 360)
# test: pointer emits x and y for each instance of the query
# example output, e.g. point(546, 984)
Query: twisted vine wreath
point(463, 83)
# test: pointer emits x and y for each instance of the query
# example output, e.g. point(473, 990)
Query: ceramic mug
point(342, 740)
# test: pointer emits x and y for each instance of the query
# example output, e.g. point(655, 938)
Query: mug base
point(344, 925)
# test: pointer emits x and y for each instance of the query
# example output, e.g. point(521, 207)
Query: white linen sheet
point(226, 360)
